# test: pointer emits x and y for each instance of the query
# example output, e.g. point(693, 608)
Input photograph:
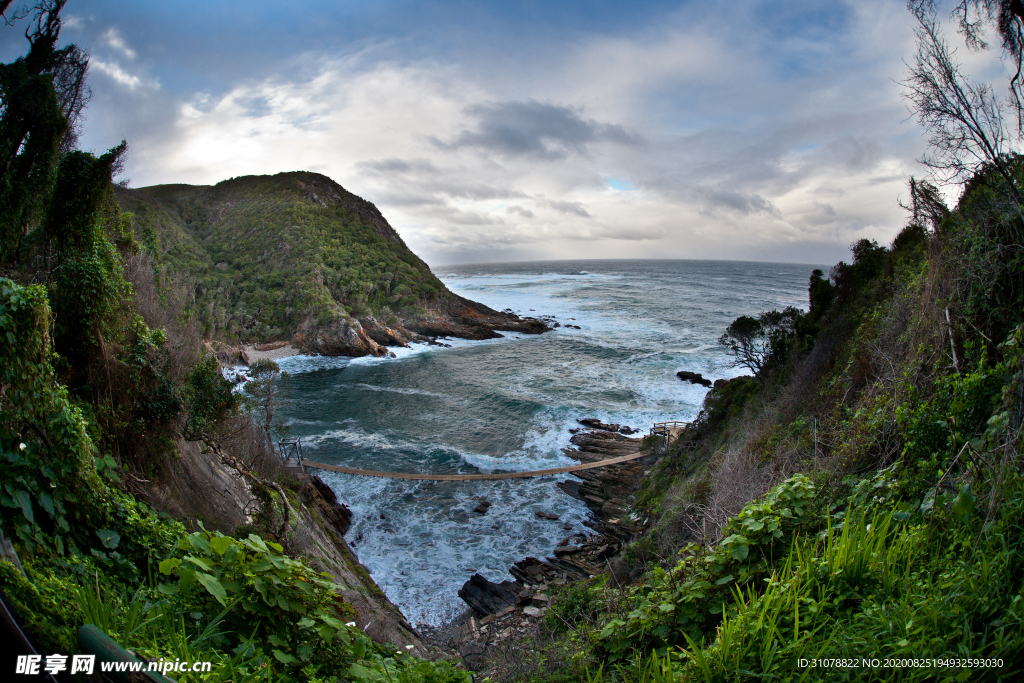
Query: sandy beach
point(275, 351)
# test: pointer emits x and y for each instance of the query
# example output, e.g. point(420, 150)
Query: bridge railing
point(665, 428)
point(290, 449)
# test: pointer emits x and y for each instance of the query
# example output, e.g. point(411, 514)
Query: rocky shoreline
point(452, 316)
point(513, 608)
point(449, 316)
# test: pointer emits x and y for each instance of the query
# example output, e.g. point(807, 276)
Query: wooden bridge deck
point(466, 477)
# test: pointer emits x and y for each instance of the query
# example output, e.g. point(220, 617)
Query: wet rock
point(594, 423)
point(607, 490)
point(483, 507)
point(545, 515)
point(693, 378)
point(486, 597)
point(532, 571)
point(627, 430)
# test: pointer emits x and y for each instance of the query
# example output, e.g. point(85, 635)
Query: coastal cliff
point(296, 257)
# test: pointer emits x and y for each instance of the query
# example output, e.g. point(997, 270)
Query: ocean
point(508, 404)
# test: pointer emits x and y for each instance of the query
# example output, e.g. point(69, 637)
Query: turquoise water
point(507, 404)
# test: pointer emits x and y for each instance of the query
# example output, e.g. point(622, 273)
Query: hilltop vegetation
point(269, 252)
point(291, 255)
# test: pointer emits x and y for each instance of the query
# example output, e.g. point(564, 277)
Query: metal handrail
point(663, 428)
point(287, 448)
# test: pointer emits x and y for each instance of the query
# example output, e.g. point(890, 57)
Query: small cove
point(508, 404)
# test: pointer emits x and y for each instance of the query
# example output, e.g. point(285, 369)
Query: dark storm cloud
point(574, 208)
point(395, 165)
point(525, 213)
point(730, 200)
point(535, 129)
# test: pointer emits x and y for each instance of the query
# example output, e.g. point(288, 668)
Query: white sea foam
point(402, 390)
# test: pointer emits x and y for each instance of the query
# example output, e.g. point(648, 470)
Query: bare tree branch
point(963, 118)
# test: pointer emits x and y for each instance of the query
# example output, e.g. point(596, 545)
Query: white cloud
point(113, 39)
point(728, 150)
point(120, 76)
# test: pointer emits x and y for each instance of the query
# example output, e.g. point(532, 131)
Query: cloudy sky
point(493, 131)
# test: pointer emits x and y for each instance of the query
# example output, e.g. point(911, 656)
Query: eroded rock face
point(345, 337)
point(321, 495)
point(452, 316)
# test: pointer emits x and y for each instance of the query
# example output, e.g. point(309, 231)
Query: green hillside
point(267, 253)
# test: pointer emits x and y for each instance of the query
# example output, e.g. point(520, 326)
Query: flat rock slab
point(486, 597)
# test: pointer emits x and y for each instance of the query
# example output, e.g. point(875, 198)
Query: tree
point(262, 398)
point(41, 97)
point(821, 293)
point(973, 17)
point(760, 343)
point(964, 118)
point(208, 399)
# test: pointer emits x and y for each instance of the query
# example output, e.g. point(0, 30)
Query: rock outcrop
point(321, 495)
point(486, 597)
point(607, 491)
point(345, 337)
point(594, 423)
point(693, 378)
point(452, 317)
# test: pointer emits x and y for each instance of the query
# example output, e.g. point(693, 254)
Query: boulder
point(340, 337)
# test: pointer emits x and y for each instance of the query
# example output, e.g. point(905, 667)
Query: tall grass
point(869, 588)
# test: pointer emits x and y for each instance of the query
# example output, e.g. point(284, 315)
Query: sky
point(525, 130)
